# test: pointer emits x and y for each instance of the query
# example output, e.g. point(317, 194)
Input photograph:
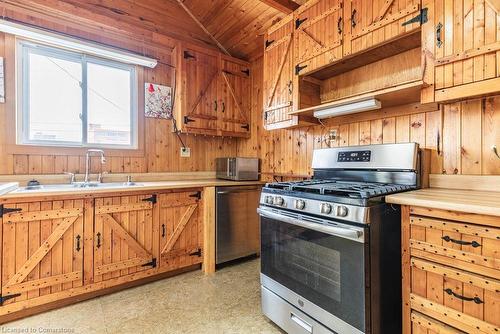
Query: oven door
point(322, 261)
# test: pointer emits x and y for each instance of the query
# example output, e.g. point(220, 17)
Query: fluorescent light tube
point(349, 108)
point(74, 44)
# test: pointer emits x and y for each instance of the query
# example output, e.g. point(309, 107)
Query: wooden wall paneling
point(451, 139)
point(434, 139)
point(365, 133)
point(377, 132)
point(389, 130)
point(471, 139)
point(491, 136)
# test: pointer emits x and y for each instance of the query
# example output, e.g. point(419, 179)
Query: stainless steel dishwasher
point(237, 228)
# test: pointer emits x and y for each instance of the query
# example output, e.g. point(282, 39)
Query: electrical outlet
point(185, 152)
point(333, 135)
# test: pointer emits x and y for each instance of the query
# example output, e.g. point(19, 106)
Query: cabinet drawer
point(456, 297)
point(423, 324)
point(466, 246)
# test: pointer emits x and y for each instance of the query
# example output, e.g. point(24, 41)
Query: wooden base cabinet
point(181, 230)
point(42, 250)
point(59, 250)
point(451, 272)
point(124, 236)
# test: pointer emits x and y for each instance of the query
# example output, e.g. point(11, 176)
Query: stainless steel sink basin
point(79, 185)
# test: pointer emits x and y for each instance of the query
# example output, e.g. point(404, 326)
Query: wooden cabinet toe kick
point(41, 304)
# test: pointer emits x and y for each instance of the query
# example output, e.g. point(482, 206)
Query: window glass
point(108, 96)
point(55, 99)
point(69, 99)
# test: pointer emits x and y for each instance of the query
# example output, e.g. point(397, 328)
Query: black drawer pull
point(476, 300)
point(353, 18)
point(339, 25)
point(163, 230)
point(98, 239)
point(474, 244)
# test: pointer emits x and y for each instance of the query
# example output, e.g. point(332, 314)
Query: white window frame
point(24, 49)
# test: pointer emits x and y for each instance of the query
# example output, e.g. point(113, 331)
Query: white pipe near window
point(74, 44)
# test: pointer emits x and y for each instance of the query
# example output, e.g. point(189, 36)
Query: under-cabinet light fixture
point(75, 44)
point(349, 108)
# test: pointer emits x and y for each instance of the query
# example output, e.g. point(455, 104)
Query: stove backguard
point(386, 163)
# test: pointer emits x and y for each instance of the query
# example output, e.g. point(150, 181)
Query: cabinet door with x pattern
point(42, 251)
point(124, 236)
point(181, 229)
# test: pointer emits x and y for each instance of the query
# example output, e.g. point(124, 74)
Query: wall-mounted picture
point(158, 101)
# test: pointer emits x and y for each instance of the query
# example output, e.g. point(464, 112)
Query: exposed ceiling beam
point(285, 6)
point(195, 19)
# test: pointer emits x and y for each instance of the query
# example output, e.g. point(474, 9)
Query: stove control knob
point(269, 199)
point(342, 211)
point(299, 204)
point(279, 201)
point(325, 208)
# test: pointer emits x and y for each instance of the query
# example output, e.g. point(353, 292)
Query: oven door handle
point(343, 232)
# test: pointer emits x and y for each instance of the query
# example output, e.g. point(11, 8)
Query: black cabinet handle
point(353, 18)
point(476, 300)
point(78, 237)
point(339, 25)
point(223, 106)
point(152, 199)
point(215, 105)
point(163, 230)
point(98, 239)
point(439, 40)
point(474, 244)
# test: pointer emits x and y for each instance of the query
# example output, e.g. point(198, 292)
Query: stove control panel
point(358, 156)
point(315, 207)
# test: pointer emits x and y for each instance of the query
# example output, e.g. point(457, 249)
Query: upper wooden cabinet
point(280, 88)
point(372, 23)
point(199, 72)
point(461, 45)
point(214, 94)
point(234, 98)
point(278, 75)
point(319, 27)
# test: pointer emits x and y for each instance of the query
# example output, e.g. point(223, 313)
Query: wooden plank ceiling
point(237, 24)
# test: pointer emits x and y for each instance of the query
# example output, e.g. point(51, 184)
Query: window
point(72, 99)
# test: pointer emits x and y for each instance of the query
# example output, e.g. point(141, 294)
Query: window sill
point(59, 150)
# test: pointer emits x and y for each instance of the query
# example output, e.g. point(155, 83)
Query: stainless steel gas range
point(330, 246)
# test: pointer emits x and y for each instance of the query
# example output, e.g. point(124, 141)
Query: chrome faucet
point(87, 162)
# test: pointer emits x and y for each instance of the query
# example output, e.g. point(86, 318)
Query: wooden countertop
point(142, 186)
point(471, 201)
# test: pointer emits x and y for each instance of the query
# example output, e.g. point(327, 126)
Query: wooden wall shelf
point(389, 97)
point(391, 47)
